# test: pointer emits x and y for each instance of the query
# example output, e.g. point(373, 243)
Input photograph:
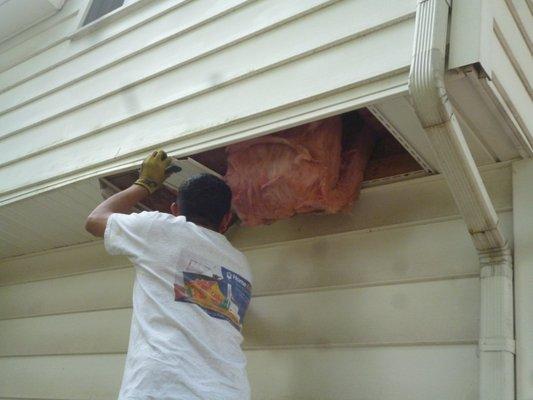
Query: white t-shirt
point(191, 291)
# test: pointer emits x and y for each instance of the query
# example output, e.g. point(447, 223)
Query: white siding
point(382, 308)
point(380, 303)
point(523, 252)
point(436, 372)
point(498, 34)
point(187, 74)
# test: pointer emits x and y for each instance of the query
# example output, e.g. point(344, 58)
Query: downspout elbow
point(426, 77)
point(435, 113)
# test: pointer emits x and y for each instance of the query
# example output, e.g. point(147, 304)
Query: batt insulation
point(308, 168)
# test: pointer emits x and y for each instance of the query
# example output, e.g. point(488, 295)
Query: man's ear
point(175, 209)
point(226, 221)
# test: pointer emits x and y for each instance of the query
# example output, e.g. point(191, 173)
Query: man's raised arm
point(151, 177)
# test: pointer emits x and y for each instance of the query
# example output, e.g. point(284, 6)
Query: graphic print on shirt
point(220, 292)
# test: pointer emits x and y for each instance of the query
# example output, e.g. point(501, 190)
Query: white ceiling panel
point(49, 220)
point(57, 218)
point(486, 132)
point(486, 135)
point(399, 117)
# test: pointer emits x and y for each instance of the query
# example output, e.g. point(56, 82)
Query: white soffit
point(49, 220)
point(488, 136)
point(485, 134)
point(57, 218)
point(398, 116)
point(17, 15)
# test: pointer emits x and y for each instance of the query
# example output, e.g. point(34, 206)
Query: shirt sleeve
point(126, 234)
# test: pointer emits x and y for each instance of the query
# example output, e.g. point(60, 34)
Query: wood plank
point(181, 121)
point(426, 312)
point(385, 373)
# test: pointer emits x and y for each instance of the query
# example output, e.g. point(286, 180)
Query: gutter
point(436, 114)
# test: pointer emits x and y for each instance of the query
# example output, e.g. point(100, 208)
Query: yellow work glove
point(153, 171)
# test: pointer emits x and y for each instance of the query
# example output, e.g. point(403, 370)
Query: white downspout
point(426, 86)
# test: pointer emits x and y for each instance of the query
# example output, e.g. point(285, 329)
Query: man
point(191, 291)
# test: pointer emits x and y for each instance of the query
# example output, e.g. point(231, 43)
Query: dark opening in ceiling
point(389, 159)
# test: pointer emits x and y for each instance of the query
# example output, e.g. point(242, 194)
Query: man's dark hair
point(204, 199)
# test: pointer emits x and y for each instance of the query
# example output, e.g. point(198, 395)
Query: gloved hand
point(153, 174)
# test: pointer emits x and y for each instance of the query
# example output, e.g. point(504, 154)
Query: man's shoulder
point(147, 218)
point(151, 215)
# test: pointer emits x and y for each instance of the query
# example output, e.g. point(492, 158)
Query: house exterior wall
point(523, 252)
point(188, 75)
point(382, 302)
point(497, 36)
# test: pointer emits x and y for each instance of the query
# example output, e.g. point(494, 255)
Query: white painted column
point(496, 334)
point(523, 251)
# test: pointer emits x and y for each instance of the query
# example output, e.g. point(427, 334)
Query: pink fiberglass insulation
point(309, 168)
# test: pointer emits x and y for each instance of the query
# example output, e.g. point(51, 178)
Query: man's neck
point(203, 225)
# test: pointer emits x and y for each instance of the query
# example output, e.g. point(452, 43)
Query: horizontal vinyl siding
point(495, 37)
point(302, 264)
point(37, 39)
point(360, 314)
point(508, 59)
point(50, 43)
point(436, 372)
point(374, 316)
point(192, 72)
